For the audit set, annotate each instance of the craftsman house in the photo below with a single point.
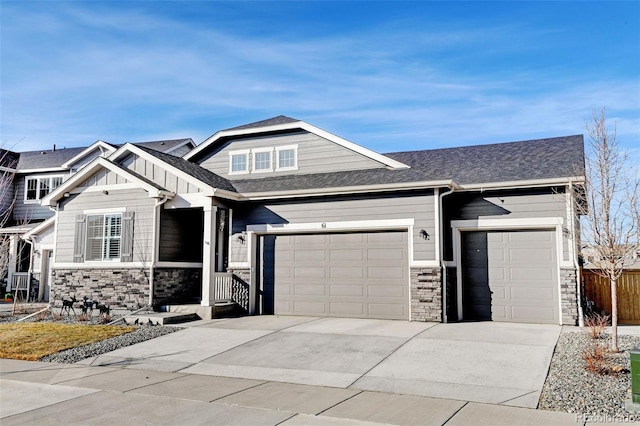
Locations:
(285, 218)
(28, 224)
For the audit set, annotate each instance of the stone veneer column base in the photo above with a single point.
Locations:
(569, 296)
(426, 294)
(122, 288)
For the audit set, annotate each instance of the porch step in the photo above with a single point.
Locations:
(160, 318)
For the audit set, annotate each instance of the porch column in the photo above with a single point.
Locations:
(12, 265)
(208, 253)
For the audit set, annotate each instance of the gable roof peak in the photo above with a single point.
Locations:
(280, 119)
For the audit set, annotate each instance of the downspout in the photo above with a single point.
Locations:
(575, 257)
(441, 248)
(156, 218)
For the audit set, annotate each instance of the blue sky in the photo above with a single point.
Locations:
(390, 76)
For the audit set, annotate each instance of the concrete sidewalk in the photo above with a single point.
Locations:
(44, 393)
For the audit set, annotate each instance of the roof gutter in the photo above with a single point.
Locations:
(345, 190)
(533, 183)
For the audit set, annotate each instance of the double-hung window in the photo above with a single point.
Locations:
(238, 162)
(262, 160)
(36, 188)
(287, 157)
(104, 235)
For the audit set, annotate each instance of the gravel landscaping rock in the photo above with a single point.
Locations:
(570, 388)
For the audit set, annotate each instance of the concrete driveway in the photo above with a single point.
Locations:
(486, 362)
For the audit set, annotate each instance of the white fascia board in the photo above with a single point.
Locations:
(355, 225)
(304, 126)
(131, 148)
(43, 170)
(514, 223)
(41, 227)
(96, 145)
(255, 196)
(92, 167)
(533, 183)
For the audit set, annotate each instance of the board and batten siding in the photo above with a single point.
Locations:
(31, 210)
(417, 207)
(315, 155)
(135, 200)
(507, 205)
(159, 175)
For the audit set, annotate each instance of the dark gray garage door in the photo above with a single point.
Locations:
(510, 276)
(362, 275)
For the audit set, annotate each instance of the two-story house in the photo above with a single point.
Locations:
(28, 225)
(289, 219)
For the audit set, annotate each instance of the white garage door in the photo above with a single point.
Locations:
(510, 276)
(362, 275)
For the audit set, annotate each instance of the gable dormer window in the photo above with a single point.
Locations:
(238, 162)
(262, 160)
(287, 157)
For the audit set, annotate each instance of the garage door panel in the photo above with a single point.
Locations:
(531, 275)
(312, 307)
(361, 275)
(520, 280)
(386, 291)
(308, 272)
(342, 255)
(346, 272)
(308, 290)
(347, 309)
(345, 290)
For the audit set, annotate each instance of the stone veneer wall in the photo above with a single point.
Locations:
(426, 294)
(568, 296)
(177, 285)
(122, 288)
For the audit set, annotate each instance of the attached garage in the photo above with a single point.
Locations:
(510, 276)
(360, 275)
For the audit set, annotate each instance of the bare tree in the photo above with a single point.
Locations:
(8, 162)
(611, 215)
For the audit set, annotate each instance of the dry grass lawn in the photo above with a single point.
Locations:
(32, 341)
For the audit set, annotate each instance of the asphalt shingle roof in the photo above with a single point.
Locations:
(504, 162)
(281, 119)
(192, 169)
(46, 159)
(501, 162)
(162, 146)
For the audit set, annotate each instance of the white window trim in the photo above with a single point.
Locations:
(244, 152)
(256, 151)
(38, 179)
(286, 148)
(102, 213)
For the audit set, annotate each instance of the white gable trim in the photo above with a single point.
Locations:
(94, 166)
(393, 164)
(101, 145)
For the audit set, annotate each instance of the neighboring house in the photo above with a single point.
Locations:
(30, 224)
(292, 220)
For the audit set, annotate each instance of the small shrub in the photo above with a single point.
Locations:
(105, 319)
(41, 316)
(83, 317)
(596, 324)
(595, 358)
(57, 317)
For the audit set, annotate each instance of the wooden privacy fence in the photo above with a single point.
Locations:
(598, 290)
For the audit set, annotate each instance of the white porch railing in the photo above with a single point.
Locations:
(227, 287)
